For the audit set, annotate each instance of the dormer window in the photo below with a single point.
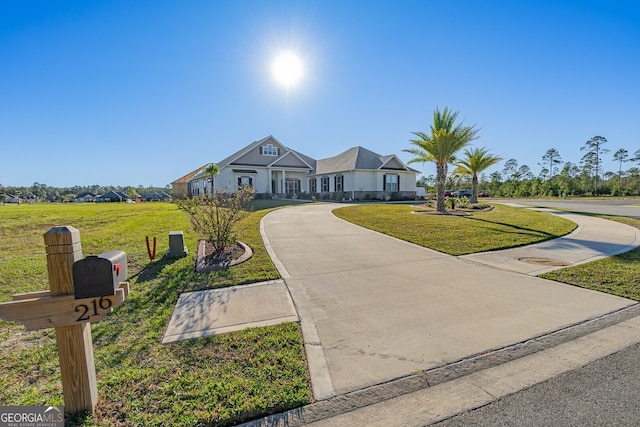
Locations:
(269, 150)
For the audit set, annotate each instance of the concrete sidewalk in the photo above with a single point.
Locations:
(375, 309)
(594, 238)
(216, 311)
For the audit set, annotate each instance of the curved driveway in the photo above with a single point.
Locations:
(374, 308)
(594, 238)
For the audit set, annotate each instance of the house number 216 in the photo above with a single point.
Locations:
(91, 309)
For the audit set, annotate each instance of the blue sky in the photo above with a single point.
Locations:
(143, 92)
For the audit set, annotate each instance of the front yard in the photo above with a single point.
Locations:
(229, 378)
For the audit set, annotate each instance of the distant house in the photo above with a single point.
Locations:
(112, 196)
(269, 167)
(10, 198)
(180, 187)
(85, 197)
(156, 196)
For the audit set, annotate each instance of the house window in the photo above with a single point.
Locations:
(245, 181)
(312, 185)
(337, 183)
(391, 182)
(324, 183)
(292, 185)
(269, 150)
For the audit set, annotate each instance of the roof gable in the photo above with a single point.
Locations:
(188, 176)
(291, 159)
(252, 153)
(392, 162)
(359, 158)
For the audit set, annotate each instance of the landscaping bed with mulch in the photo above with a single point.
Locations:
(207, 260)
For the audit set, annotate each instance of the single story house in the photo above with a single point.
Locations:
(156, 196)
(9, 198)
(85, 196)
(112, 196)
(269, 167)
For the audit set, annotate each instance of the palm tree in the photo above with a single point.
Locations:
(440, 145)
(212, 170)
(476, 160)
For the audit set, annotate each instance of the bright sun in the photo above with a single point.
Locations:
(287, 69)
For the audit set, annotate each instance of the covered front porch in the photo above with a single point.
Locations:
(288, 182)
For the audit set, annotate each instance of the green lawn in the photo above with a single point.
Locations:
(500, 228)
(618, 275)
(208, 381)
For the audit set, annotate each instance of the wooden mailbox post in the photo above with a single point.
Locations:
(58, 308)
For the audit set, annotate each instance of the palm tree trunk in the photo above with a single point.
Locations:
(441, 177)
(474, 189)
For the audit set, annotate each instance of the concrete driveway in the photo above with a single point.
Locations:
(593, 239)
(374, 308)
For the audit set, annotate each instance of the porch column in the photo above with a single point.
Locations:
(284, 180)
(270, 185)
(353, 189)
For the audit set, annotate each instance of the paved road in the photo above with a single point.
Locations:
(603, 393)
(604, 207)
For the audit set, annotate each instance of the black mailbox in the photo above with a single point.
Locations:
(100, 275)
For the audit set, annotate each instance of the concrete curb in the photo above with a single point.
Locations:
(464, 368)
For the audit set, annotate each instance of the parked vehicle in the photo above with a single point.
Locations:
(483, 194)
(448, 193)
(463, 193)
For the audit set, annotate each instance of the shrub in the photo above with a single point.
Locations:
(214, 217)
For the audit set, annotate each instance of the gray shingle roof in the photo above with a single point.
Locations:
(352, 159)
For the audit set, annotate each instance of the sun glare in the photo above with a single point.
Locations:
(287, 69)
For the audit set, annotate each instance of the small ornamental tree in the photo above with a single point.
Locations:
(212, 170)
(214, 217)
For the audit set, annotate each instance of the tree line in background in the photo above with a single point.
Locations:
(556, 178)
(43, 193)
(441, 145)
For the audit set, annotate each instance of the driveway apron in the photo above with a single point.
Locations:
(375, 308)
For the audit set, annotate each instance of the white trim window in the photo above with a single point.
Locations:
(312, 185)
(292, 185)
(324, 184)
(391, 182)
(338, 183)
(245, 181)
(269, 150)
